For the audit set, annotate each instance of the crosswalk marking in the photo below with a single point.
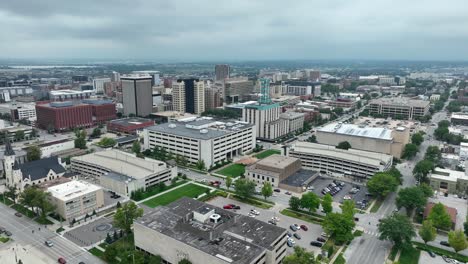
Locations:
(372, 233)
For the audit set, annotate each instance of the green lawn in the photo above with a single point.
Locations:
(96, 252)
(5, 200)
(267, 153)
(25, 211)
(440, 251)
(393, 253)
(4, 239)
(340, 259)
(155, 190)
(376, 206)
(189, 190)
(307, 218)
(254, 202)
(409, 255)
(234, 170)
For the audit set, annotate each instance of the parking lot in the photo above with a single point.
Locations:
(311, 234)
(321, 182)
(92, 232)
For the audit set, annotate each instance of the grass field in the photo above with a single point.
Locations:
(267, 153)
(233, 171)
(304, 217)
(189, 190)
(376, 206)
(96, 252)
(409, 255)
(340, 259)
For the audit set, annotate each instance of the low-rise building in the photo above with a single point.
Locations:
(123, 172)
(459, 118)
(129, 125)
(203, 139)
(295, 120)
(74, 199)
(355, 164)
(404, 108)
(202, 233)
(50, 148)
(449, 181)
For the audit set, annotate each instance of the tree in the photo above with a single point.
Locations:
(184, 261)
(410, 151)
(310, 201)
(80, 140)
(300, 256)
(294, 203)
(96, 133)
(19, 135)
(11, 192)
(154, 259)
(267, 190)
(396, 174)
(343, 145)
(108, 239)
(118, 205)
(439, 217)
(422, 169)
(312, 139)
(33, 153)
(433, 154)
(398, 229)
(426, 190)
(28, 197)
(327, 203)
(339, 226)
(201, 165)
(228, 182)
(381, 184)
(106, 142)
(465, 227)
(427, 232)
(136, 147)
(43, 202)
(457, 240)
(244, 188)
(417, 139)
(411, 198)
(347, 208)
(125, 215)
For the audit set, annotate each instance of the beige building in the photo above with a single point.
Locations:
(399, 107)
(188, 96)
(74, 199)
(375, 139)
(273, 169)
(449, 181)
(205, 234)
(355, 164)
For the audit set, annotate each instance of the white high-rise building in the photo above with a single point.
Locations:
(98, 84)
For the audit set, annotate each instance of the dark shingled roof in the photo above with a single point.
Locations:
(38, 169)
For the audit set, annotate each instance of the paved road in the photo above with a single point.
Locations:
(22, 227)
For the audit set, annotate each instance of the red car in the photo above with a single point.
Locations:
(304, 227)
(228, 206)
(62, 260)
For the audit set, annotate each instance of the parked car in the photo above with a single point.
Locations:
(277, 190)
(2, 230)
(291, 240)
(18, 214)
(316, 244)
(290, 244)
(49, 243)
(324, 234)
(271, 222)
(347, 197)
(431, 254)
(304, 227)
(296, 235)
(8, 233)
(445, 243)
(294, 227)
(321, 239)
(310, 188)
(289, 234)
(227, 206)
(356, 219)
(275, 218)
(62, 260)
(255, 212)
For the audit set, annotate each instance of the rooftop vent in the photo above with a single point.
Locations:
(203, 131)
(172, 125)
(215, 218)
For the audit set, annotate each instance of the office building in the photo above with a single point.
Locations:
(155, 80)
(352, 163)
(459, 119)
(295, 121)
(75, 199)
(449, 181)
(137, 95)
(202, 233)
(62, 116)
(67, 95)
(115, 77)
(79, 78)
(19, 111)
(299, 88)
(314, 76)
(213, 98)
(237, 90)
(221, 72)
(399, 108)
(202, 139)
(123, 172)
(188, 96)
(375, 139)
(98, 84)
(129, 125)
(387, 80)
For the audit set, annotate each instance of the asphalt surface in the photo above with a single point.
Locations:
(22, 230)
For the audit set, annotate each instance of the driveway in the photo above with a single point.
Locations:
(311, 234)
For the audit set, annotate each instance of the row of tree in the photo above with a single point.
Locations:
(32, 197)
(411, 149)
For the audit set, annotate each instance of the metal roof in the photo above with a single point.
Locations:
(358, 131)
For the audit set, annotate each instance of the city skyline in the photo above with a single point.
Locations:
(244, 30)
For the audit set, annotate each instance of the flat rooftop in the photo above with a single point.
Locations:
(123, 163)
(360, 156)
(463, 116)
(235, 239)
(400, 101)
(72, 189)
(131, 121)
(358, 131)
(299, 178)
(69, 92)
(200, 128)
(277, 161)
(448, 175)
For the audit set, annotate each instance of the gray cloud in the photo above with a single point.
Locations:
(234, 30)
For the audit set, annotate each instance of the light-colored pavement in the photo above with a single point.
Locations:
(22, 230)
(425, 258)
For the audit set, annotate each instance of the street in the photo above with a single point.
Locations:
(22, 229)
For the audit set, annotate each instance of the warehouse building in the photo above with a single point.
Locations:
(202, 139)
(354, 164)
(202, 233)
(400, 108)
(123, 172)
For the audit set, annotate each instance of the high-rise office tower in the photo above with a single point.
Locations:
(137, 95)
(98, 84)
(221, 72)
(188, 96)
(212, 98)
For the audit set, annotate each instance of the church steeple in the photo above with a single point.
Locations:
(8, 149)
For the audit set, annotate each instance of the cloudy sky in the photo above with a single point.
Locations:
(203, 30)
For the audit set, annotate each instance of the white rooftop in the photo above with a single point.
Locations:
(448, 175)
(71, 190)
(124, 163)
(358, 131)
(459, 116)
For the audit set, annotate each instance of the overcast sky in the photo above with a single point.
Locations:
(204, 30)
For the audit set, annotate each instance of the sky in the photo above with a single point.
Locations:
(217, 30)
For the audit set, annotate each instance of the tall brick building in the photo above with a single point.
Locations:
(63, 116)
